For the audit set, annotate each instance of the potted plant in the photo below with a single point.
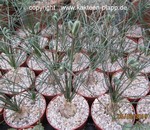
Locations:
(143, 61)
(108, 110)
(68, 108)
(17, 81)
(11, 55)
(133, 87)
(47, 85)
(92, 84)
(142, 110)
(23, 110)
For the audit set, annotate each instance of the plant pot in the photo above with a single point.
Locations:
(74, 122)
(111, 68)
(46, 85)
(19, 57)
(40, 63)
(144, 20)
(143, 60)
(134, 33)
(93, 85)
(64, 43)
(133, 90)
(17, 81)
(80, 62)
(32, 112)
(142, 109)
(28, 40)
(1, 111)
(101, 113)
(3, 14)
(129, 46)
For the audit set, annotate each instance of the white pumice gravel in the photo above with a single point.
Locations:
(63, 44)
(31, 112)
(143, 110)
(38, 41)
(16, 80)
(129, 45)
(81, 61)
(60, 122)
(135, 89)
(46, 84)
(93, 84)
(108, 66)
(40, 63)
(19, 57)
(135, 31)
(101, 109)
(14, 41)
(143, 60)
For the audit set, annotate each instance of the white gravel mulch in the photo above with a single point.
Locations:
(101, 109)
(143, 60)
(40, 63)
(143, 108)
(81, 61)
(135, 89)
(16, 80)
(135, 31)
(58, 121)
(19, 57)
(108, 66)
(31, 112)
(46, 84)
(93, 84)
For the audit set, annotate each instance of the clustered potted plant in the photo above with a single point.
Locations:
(69, 65)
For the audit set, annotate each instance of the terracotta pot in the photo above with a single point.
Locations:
(104, 111)
(142, 115)
(68, 121)
(134, 88)
(3, 14)
(89, 93)
(1, 115)
(16, 81)
(43, 86)
(145, 19)
(29, 124)
(20, 60)
(37, 70)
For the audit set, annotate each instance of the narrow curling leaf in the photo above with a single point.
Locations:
(70, 25)
(55, 17)
(37, 27)
(76, 27)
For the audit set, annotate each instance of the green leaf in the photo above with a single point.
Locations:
(127, 127)
(70, 25)
(116, 81)
(76, 27)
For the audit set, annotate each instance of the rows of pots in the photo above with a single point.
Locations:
(27, 81)
(17, 83)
